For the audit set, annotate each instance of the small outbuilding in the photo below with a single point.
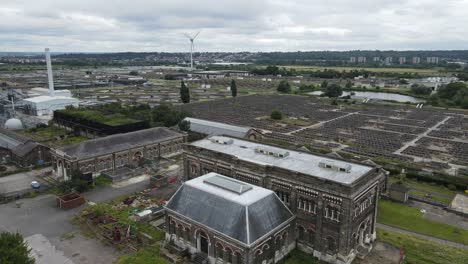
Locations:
(398, 192)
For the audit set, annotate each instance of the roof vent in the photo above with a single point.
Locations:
(271, 152)
(336, 167)
(223, 141)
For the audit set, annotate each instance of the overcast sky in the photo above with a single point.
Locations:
(237, 25)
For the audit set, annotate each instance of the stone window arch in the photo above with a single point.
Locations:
(331, 244)
(229, 254)
(300, 233)
(311, 234)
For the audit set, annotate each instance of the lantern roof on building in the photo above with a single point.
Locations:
(238, 210)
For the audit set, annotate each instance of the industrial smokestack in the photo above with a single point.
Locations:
(49, 73)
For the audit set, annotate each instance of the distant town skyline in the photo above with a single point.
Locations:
(263, 25)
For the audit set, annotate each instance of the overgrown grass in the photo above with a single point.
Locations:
(146, 255)
(101, 181)
(419, 251)
(52, 135)
(404, 217)
(434, 197)
(299, 257)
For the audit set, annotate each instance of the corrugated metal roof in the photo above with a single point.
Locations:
(216, 128)
(245, 217)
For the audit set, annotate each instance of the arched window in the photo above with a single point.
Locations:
(331, 244)
(229, 254)
(311, 233)
(300, 233)
(219, 250)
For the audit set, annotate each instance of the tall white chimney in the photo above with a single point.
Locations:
(49, 73)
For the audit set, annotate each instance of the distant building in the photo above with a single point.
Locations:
(402, 60)
(362, 59)
(376, 59)
(222, 220)
(416, 60)
(432, 60)
(46, 105)
(388, 60)
(334, 200)
(111, 153)
(352, 59)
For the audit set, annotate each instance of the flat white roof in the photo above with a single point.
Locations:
(46, 98)
(296, 161)
(253, 194)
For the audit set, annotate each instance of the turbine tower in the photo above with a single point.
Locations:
(191, 47)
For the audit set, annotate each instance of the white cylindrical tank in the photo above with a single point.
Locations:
(13, 124)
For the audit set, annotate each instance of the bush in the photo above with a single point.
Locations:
(13, 249)
(276, 115)
(284, 87)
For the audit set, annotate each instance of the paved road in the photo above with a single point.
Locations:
(20, 182)
(433, 239)
(40, 215)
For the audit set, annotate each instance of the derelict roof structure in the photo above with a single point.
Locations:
(236, 209)
(216, 128)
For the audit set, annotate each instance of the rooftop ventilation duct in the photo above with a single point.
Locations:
(336, 167)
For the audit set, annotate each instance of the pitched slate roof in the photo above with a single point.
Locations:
(10, 139)
(244, 216)
(23, 149)
(118, 142)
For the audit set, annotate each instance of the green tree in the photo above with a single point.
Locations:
(184, 125)
(184, 93)
(450, 90)
(233, 88)
(420, 89)
(349, 84)
(324, 84)
(276, 115)
(284, 87)
(333, 90)
(13, 249)
(163, 115)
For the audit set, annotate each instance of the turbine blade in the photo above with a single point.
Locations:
(187, 35)
(196, 35)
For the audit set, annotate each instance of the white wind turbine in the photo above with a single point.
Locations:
(191, 47)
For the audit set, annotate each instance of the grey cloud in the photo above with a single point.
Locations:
(240, 25)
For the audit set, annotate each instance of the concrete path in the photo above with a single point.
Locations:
(430, 238)
(319, 124)
(43, 251)
(413, 142)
